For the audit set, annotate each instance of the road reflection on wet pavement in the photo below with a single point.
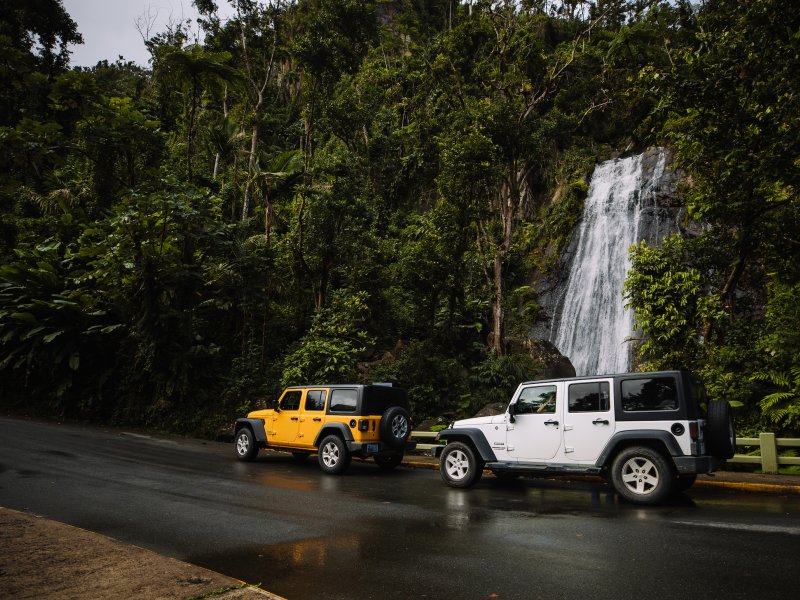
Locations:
(370, 534)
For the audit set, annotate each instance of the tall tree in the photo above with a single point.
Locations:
(505, 67)
(195, 71)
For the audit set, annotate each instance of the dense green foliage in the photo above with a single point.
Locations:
(725, 302)
(368, 190)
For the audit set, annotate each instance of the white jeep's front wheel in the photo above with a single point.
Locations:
(460, 466)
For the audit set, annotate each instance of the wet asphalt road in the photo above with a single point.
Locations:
(368, 534)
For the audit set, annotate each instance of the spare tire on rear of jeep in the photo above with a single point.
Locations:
(721, 437)
(395, 426)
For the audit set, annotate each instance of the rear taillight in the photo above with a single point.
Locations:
(694, 430)
(363, 425)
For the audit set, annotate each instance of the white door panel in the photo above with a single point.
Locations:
(536, 433)
(588, 419)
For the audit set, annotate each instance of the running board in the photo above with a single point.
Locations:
(546, 469)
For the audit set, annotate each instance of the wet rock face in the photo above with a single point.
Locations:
(490, 410)
(581, 303)
(554, 364)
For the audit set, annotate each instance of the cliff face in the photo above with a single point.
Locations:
(581, 303)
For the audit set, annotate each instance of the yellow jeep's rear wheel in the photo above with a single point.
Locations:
(333, 455)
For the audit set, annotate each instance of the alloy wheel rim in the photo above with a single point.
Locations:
(640, 475)
(399, 427)
(330, 455)
(457, 465)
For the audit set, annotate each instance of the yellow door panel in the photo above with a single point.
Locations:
(312, 416)
(286, 420)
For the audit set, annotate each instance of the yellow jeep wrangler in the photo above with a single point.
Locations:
(336, 422)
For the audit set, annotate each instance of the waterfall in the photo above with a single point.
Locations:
(620, 210)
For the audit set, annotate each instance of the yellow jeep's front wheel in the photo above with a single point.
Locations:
(246, 447)
(333, 455)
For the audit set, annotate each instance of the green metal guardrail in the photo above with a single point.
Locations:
(768, 459)
(425, 435)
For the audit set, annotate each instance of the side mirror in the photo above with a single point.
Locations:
(512, 410)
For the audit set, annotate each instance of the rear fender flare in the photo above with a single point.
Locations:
(330, 428)
(627, 438)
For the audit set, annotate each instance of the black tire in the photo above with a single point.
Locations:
(245, 444)
(395, 427)
(641, 475)
(681, 483)
(460, 466)
(387, 462)
(720, 434)
(300, 456)
(334, 457)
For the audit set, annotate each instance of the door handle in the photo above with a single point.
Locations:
(551, 422)
(317, 419)
(293, 418)
(600, 422)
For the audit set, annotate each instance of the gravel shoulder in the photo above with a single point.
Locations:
(40, 558)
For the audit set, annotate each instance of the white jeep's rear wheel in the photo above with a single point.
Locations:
(641, 475)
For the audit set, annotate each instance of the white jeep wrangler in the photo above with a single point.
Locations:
(648, 433)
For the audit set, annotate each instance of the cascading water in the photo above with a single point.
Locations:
(594, 325)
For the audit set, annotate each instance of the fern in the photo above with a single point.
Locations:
(783, 406)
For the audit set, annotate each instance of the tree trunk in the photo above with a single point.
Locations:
(729, 288)
(321, 297)
(497, 338)
(251, 164)
(507, 208)
(190, 132)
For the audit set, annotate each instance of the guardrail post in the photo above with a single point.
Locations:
(769, 453)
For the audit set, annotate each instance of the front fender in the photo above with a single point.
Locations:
(255, 425)
(474, 436)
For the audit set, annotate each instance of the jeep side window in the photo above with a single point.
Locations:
(291, 400)
(589, 397)
(541, 399)
(344, 400)
(647, 394)
(696, 394)
(315, 399)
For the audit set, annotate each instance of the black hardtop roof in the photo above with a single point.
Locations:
(611, 376)
(343, 385)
